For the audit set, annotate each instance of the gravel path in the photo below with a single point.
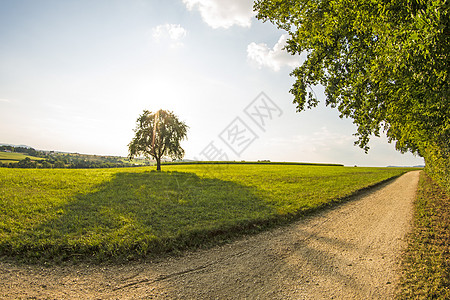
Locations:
(349, 252)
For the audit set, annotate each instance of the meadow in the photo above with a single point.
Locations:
(7, 157)
(126, 213)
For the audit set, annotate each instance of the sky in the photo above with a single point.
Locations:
(75, 76)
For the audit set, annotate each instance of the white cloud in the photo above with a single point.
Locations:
(5, 100)
(219, 13)
(274, 58)
(174, 33)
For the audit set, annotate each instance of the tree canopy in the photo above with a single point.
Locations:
(158, 135)
(383, 63)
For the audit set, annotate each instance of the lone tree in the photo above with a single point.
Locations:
(385, 64)
(157, 135)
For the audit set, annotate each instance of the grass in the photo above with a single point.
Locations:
(134, 212)
(427, 259)
(7, 157)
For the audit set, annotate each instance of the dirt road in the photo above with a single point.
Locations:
(349, 252)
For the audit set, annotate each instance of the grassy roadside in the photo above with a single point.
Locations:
(132, 212)
(426, 264)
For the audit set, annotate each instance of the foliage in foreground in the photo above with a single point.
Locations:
(132, 212)
(427, 260)
(385, 64)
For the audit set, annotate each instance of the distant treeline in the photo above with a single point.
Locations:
(259, 162)
(50, 159)
(27, 163)
(47, 160)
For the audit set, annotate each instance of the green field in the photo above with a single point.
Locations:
(8, 157)
(135, 212)
(426, 261)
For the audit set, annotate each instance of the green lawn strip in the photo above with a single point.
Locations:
(135, 212)
(292, 189)
(426, 273)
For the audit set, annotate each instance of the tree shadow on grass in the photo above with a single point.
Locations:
(146, 214)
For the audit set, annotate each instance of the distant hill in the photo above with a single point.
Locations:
(23, 156)
(16, 146)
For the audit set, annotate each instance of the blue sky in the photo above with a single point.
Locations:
(75, 75)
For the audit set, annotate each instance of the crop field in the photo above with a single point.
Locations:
(136, 212)
(7, 157)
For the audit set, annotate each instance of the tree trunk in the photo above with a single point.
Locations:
(158, 164)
